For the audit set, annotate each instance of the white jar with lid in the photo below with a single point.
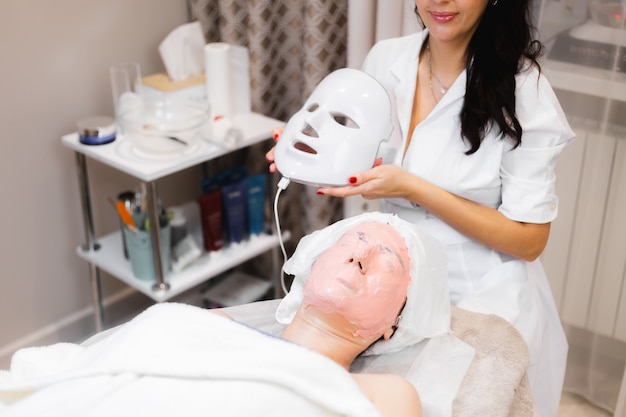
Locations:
(96, 130)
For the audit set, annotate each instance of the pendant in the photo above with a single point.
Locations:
(442, 90)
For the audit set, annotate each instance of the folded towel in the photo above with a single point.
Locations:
(496, 383)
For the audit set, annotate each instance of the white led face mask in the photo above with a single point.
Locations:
(337, 132)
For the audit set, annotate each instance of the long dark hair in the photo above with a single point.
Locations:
(502, 45)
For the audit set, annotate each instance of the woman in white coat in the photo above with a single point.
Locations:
(477, 130)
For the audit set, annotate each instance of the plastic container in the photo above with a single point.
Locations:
(139, 246)
(97, 130)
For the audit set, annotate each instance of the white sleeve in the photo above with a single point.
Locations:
(528, 172)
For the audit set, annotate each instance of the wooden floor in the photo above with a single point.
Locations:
(574, 406)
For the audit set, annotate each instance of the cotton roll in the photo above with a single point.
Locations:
(217, 67)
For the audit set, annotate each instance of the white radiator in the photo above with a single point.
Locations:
(585, 259)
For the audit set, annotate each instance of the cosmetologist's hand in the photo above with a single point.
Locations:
(382, 181)
(269, 156)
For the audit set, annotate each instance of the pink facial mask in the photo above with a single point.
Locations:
(364, 277)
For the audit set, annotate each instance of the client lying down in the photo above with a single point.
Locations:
(353, 297)
(175, 359)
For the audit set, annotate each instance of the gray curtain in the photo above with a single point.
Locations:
(293, 45)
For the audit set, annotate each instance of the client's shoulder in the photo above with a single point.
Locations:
(392, 394)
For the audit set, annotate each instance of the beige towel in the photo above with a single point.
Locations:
(496, 384)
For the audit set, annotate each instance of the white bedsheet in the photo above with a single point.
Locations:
(178, 360)
(479, 369)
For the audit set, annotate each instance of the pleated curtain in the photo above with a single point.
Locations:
(293, 45)
(370, 21)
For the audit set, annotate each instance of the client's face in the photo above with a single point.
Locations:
(364, 277)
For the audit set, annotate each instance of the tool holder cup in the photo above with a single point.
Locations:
(139, 247)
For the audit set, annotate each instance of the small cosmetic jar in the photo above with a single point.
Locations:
(96, 130)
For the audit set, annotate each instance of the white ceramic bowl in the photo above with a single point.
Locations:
(159, 125)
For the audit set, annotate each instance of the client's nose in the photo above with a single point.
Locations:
(359, 262)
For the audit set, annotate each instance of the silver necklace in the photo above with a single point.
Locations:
(442, 88)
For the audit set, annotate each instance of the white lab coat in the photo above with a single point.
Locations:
(518, 182)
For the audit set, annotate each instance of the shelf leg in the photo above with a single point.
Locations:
(85, 200)
(96, 294)
(90, 239)
(155, 236)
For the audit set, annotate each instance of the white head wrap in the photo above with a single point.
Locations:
(427, 310)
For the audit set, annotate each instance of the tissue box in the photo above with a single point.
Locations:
(161, 85)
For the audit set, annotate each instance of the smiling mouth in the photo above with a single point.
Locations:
(442, 17)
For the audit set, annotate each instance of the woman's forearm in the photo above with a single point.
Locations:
(480, 223)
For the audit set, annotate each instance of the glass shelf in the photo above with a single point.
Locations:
(121, 155)
(110, 258)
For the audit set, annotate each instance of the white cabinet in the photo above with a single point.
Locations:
(585, 259)
(584, 56)
(106, 252)
(586, 255)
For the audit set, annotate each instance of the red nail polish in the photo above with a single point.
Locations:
(352, 180)
(320, 193)
(276, 133)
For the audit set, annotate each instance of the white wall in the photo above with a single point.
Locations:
(54, 71)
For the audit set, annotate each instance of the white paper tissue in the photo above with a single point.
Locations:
(182, 51)
(227, 79)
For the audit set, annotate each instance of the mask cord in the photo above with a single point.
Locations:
(282, 185)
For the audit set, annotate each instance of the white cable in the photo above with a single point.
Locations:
(282, 185)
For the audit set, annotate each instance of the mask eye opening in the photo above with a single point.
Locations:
(312, 107)
(345, 121)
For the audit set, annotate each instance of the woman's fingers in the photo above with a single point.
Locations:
(378, 182)
(277, 132)
(354, 188)
(269, 156)
(338, 191)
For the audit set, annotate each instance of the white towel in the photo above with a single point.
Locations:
(175, 359)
